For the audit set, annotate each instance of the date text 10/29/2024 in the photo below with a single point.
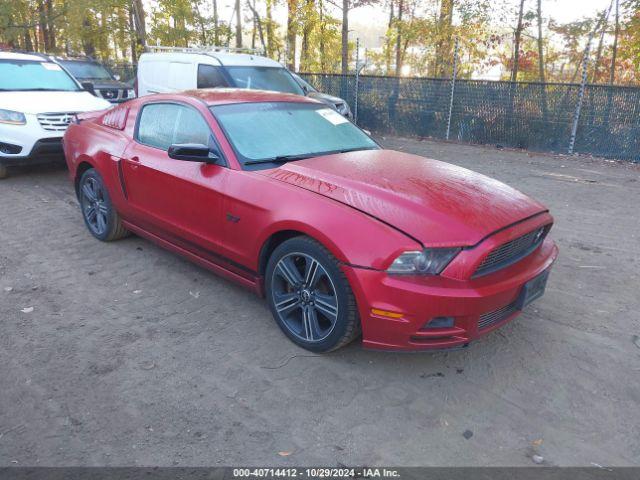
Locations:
(292, 472)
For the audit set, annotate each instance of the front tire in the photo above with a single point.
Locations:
(100, 216)
(310, 297)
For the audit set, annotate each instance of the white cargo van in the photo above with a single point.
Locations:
(172, 69)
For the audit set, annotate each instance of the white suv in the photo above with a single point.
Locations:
(38, 100)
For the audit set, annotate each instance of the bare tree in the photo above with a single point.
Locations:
(346, 6)
(541, 70)
(388, 40)
(444, 41)
(399, 38)
(216, 35)
(307, 29)
(345, 36)
(238, 24)
(292, 32)
(270, 36)
(516, 46)
(614, 53)
(257, 25)
(139, 26)
(603, 23)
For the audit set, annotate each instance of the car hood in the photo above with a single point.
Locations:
(104, 83)
(324, 97)
(436, 203)
(51, 102)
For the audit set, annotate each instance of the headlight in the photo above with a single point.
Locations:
(431, 261)
(12, 118)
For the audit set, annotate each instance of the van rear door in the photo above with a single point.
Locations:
(158, 75)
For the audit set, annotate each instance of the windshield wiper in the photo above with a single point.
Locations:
(281, 159)
(291, 158)
(356, 149)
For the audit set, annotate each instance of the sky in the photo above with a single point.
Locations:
(568, 10)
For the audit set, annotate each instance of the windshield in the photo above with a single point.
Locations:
(264, 78)
(276, 132)
(303, 83)
(20, 75)
(86, 70)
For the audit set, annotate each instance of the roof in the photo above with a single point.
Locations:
(221, 96)
(77, 59)
(243, 59)
(222, 58)
(23, 56)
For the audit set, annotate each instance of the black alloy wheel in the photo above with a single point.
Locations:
(310, 297)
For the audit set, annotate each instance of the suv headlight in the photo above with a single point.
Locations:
(430, 261)
(12, 118)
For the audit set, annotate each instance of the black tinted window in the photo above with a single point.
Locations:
(162, 124)
(210, 76)
(277, 79)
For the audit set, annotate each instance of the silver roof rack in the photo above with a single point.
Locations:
(203, 50)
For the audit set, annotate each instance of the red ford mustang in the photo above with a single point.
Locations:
(284, 196)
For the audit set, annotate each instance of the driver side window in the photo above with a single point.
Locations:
(191, 127)
(163, 124)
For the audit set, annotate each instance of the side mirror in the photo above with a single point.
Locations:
(305, 89)
(117, 77)
(88, 86)
(192, 152)
(368, 132)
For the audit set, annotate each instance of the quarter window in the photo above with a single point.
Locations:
(210, 76)
(163, 124)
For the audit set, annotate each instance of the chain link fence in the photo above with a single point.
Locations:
(532, 116)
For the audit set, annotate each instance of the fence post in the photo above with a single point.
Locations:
(453, 85)
(583, 84)
(355, 101)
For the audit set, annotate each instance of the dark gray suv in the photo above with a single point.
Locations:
(97, 79)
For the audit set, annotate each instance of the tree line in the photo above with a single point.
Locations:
(516, 38)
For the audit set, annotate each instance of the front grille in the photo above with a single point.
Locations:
(109, 93)
(55, 122)
(486, 320)
(512, 252)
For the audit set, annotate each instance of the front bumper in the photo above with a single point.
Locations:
(46, 150)
(477, 305)
(29, 144)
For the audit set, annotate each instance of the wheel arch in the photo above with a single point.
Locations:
(281, 234)
(84, 164)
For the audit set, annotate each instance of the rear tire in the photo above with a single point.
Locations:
(310, 297)
(100, 216)
(4, 172)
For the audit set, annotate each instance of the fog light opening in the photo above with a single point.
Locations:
(10, 149)
(440, 322)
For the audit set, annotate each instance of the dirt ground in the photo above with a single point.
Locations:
(125, 354)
